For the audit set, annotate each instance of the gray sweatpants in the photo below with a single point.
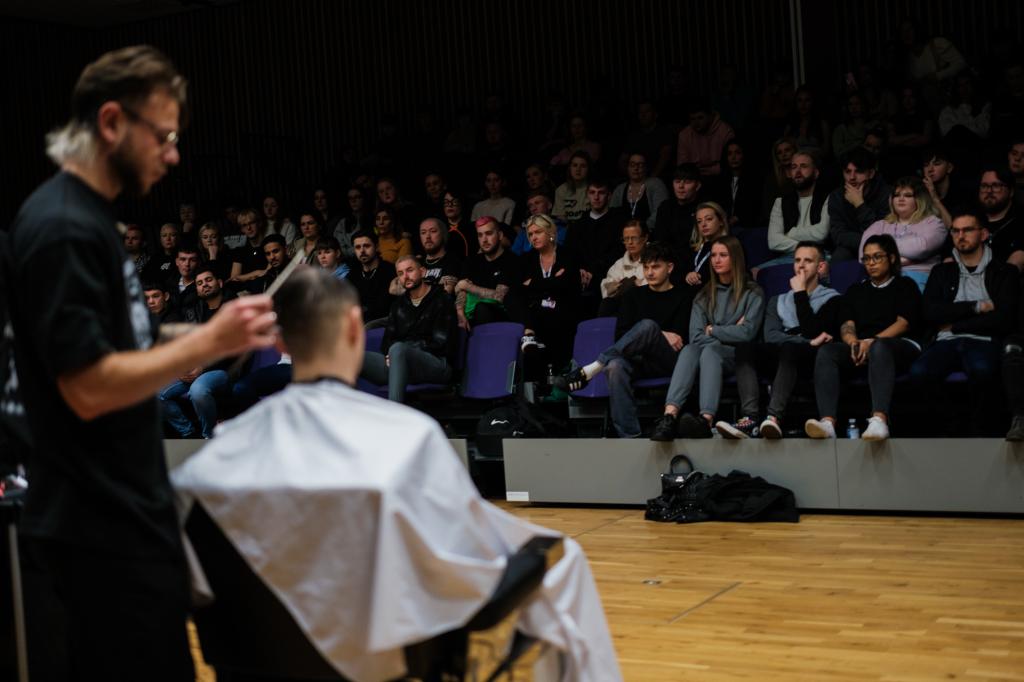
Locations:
(712, 361)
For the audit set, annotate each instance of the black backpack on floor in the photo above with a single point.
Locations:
(515, 419)
(689, 496)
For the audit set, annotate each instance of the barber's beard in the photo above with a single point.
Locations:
(124, 165)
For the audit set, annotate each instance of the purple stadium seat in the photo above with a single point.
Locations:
(592, 337)
(654, 382)
(374, 337)
(266, 357)
(845, 273)
(755, 246)
(492, 348)
(775, 279)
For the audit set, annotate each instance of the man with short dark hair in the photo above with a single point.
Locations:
(158, 301)
(100, 514)
(972, 302)
(182, 284)
(677, 216)
(995, 194)
(135, 246)
(796, 324)
(201, 385)
(419, 340)
(852, 208)
(275, 250)
(651, 329)
(595, 239)
(939, 178)
(489, 290)
(372, 278)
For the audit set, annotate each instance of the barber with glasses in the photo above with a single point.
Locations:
(99, 516)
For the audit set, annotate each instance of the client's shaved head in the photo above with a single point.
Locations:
(310, 308)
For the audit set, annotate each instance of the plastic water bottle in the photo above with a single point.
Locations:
(852, 431)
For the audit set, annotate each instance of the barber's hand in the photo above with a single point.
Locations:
(693, 278)
(241, 325)
(821, 339)
(674, 340)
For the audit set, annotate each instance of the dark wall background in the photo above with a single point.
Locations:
(279, 88)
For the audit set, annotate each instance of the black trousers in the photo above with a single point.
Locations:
(123, 618)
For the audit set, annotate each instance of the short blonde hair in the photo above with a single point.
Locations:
(545, 222)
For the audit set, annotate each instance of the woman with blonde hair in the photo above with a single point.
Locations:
(214, 254)
(914, 223)
(710, 223)
(726, 316)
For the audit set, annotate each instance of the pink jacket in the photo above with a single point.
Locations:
(919, 243)
(704, 150)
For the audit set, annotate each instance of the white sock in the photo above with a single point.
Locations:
(592, 370)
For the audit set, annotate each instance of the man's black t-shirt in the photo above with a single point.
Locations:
(506, 269)
(76, 297)
(670, 309)
(448, 265)
(373, 289)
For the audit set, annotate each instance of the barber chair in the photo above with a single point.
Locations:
(247, 635)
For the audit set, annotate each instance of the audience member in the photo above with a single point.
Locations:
(392, 244)
(329, 218)
(1015, 163)
(182, 284)
(807, 127)
(158, 302)
(881, 319)
(939, 179)
(538, 202)
(849, 134)
(251, 258)
(443, 268)
(709, 225)
(860, 202)
(275, 222)
(650, 329)
(702, 141)
(214, 254)
(801, 213)
(159, 265)
(654, 141)
(739, 187)
(577, 141)
(677, 219)
(571, 196)
(626, 272)
(995, 194)
(910, 131)
(778, 182)
(726, 314)
(419, 336)
(372, 278)
(276, 253)
(134, 241)
(459, 226)
(488, 291)
(201, 385)
(434, 186)
(914, 225)
(796, 324)
(551, 288)
(967, 116)
(495, 202)
(388, 197)
(356, 218)
(972, 302)
(930, 62)
(642, 194)
(329, 258)
(312, 229)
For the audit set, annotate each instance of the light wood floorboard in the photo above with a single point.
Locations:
(833, 598)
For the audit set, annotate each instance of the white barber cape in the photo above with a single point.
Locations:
(359, 516)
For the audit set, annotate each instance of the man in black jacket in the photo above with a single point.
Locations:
(677, 216)
(863, 199)
(651, 329)
(419, 338)
(973, 303)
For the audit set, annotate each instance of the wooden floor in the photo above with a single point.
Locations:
(831, 598)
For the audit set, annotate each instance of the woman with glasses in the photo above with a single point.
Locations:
(726, 315)
(914, 223)
(709, 224)
(879, 335)
(461, 232)
(640, 195)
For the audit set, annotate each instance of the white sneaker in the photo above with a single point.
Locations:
(877, 429)
(770, 429)
(819, 428)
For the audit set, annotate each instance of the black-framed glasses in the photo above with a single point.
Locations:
(992, 187)
(165, 138)
(957, 231)
(873, 258)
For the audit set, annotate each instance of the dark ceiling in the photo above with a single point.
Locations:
(99, 13)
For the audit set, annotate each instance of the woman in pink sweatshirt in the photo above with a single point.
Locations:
(916, 226)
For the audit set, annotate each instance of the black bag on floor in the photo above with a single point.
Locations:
(515, 419)
(689, 496)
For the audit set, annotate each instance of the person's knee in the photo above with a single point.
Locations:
(617, 368)
(880, 350)
(647, 327)
(397, 349)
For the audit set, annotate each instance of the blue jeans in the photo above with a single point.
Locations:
(202, 394)
(642, 352)
(976, 358)
(409, 365)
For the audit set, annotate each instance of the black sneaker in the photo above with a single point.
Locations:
(1016, 432)
(691, 426)
(572, 381)
(744, 428)
(665, 428)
